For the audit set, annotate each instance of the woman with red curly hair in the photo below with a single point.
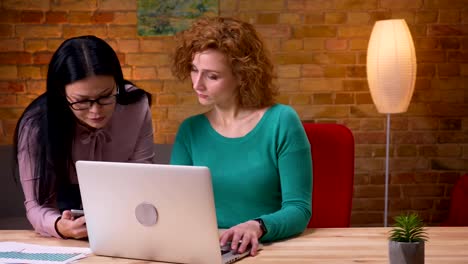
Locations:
(257, 150)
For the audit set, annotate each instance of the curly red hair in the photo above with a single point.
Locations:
(244, 50)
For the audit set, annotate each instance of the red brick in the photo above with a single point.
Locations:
(25, 5)
(430, 56)
(56, 17)
(447, 30)
(292, 45)
(450, 43)
(334, 71)
(457, 56)
(42, 57)
(452, 96)
(425, 43)
(341, 58)
(370, 124)
(147, 59)
(423, 190)
(103, 17)
(401, 4)
(449, 16)
(8, 72)
(7, 87)
(89, 5)
(97, 30)
(7, 100)
(379, 15)
(452, 4)
(356, 71)
(294, 58)
(144, 73)
(274, 31)
(34, 45)
(267, 18)
(363, 98)
(451, 137)
(80, 17)
(336, 44)
(314, 31)
(38, 31)
(314, 17)
(452, 164)
(450, 124)
(355, 85)
(365, 219)
(15, 58)
(413, 138)
(6, 30)
(369, 137)
(399, 204)
(301, 5)
(448, 177)
(289, 71)
(425, 70)
(427, 151)
(424, 123)
(156, 45)
(32, 17)
(25, 99)
(36, 87)
(354, 31)
(426, 17)
(335, 17)
(360, 204)
(117, 5)
(364, 111)
(311, 70)
(448, 109)
(344, 98)
(356, 4)
(10, 16)
(322, 98)
(372, 191)
(29, 72)
(13, 44)
(125, 18)
(449, 150)
(121, 31)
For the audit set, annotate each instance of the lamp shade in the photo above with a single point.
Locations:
(391, 66)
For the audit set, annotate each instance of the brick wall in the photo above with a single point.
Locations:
(319, 47)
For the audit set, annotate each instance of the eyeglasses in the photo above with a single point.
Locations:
(87, 104)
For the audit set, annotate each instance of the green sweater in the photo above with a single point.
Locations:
(265, 174)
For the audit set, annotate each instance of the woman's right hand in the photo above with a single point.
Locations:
(69, 227)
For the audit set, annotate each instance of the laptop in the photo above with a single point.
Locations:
(151, 212)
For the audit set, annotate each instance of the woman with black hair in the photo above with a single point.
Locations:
(88, 112)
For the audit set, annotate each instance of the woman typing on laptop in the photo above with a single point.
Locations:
(257, 151)
(88, 112)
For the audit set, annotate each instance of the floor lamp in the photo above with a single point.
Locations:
(391, 74)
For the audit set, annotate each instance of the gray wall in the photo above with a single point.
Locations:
(12, 212)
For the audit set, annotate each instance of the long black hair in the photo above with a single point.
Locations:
(47, 126)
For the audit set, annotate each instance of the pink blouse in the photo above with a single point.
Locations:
(128, 137)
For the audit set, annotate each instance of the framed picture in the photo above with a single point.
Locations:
(167, 17)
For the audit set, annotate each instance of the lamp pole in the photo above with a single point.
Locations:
(387, 151)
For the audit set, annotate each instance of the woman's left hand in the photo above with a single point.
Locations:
(243, 235)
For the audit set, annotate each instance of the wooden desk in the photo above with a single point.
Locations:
(328, 245)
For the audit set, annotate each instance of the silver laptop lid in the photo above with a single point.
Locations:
(149, 211)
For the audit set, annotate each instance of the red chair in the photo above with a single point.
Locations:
(333, 174)
(458, 211)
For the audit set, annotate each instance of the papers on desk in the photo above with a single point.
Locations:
(14, 252)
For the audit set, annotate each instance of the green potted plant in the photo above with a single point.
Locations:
(406, 245)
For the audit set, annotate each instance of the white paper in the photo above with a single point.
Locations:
(14, 252)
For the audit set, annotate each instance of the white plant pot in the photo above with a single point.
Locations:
(406, 252)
